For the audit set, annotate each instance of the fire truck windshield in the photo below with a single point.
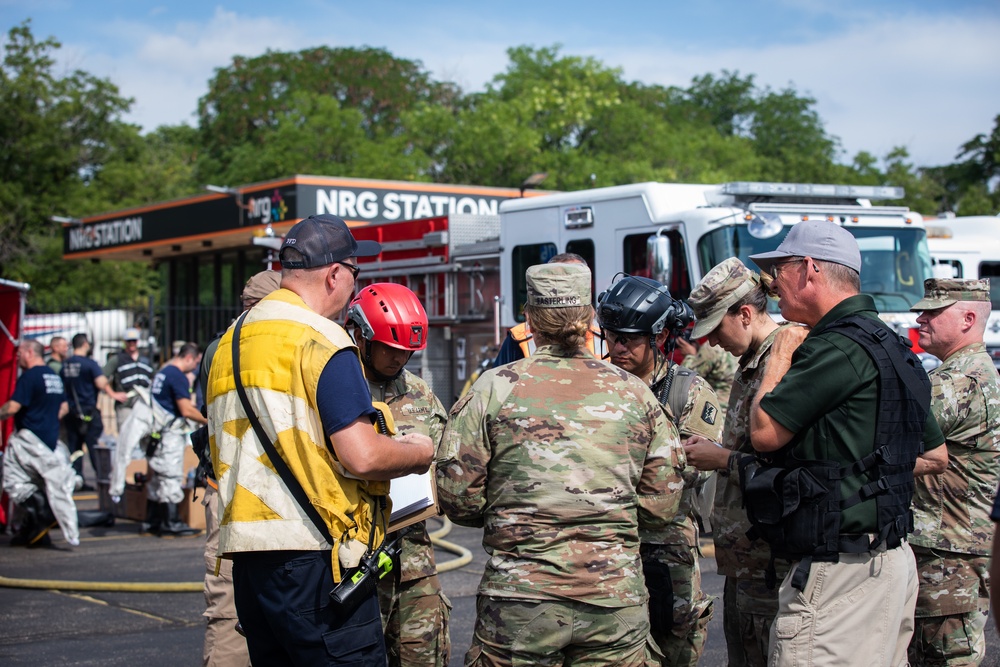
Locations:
(894, 260)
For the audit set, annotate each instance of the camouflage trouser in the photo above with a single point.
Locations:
(680, 636)
(953, 604)
(546, 633)
(748, 611)
(415, 620)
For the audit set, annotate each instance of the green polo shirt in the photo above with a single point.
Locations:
(829, 398)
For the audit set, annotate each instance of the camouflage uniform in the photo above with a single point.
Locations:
(415, 611)
(562, 480)
(952, 527)
(749, 607)
(673, 551)
(718, 367)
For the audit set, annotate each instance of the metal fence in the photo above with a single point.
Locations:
(162, 327)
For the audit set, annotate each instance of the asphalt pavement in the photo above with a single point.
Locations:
(51, 624)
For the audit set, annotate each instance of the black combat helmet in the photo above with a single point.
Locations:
(641, 305)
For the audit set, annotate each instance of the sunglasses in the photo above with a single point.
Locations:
(353, 268)
(627, 339)
(773, 271)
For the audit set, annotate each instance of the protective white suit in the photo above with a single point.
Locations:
(165, 459)
(30, 466)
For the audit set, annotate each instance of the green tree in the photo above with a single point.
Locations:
(315, 135)
(56, 135)
(253, 96)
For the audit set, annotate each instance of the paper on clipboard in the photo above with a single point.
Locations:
(414, 498)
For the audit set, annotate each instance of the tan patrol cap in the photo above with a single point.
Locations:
(724, 285)
(942, 292)
(558, 285)
(261, 284)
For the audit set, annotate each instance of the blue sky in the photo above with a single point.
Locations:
(918, 74)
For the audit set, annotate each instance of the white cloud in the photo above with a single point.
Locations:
(926, 82)
(929, 85)
(166, 68)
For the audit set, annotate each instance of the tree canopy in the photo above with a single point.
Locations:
(365, 112)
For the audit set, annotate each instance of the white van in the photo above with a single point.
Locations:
(969, 247)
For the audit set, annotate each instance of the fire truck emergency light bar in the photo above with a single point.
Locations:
(812, 190)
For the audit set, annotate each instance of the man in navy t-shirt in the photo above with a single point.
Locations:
(37, 474)
(165, 487)
(83, 378)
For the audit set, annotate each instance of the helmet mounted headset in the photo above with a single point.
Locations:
(390, 314)
(635, 304)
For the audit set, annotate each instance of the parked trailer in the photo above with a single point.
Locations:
(469, 270)
(969, 247)
(104, 329)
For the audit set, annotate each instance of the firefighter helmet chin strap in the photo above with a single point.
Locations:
(370, 370)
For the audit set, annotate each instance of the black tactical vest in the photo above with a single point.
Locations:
(797, 506)
(133, 374)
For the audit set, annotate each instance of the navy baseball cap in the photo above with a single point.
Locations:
(322, 240)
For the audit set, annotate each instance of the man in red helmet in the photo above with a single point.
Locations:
(390, 325)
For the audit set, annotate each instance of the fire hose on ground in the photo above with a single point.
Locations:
(463, 559)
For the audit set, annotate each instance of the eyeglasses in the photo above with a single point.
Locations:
(629, 340)
(353, 268)
(774, 267)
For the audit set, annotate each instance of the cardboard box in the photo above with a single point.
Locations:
(133, 502)
(133, 506)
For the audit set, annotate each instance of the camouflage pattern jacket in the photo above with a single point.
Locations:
(718, 367)
(415, 409)
(700, 416)
(951, 511)
(735, 554)
(562, 459)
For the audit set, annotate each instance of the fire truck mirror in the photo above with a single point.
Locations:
(658, 257)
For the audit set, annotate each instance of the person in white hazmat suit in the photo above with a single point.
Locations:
(37, 474)
(159, 424)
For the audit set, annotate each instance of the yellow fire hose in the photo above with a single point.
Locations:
(464, 557)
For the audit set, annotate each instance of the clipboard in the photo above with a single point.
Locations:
(414, 499)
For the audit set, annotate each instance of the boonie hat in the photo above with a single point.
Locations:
(131, 334)
(724, 285)
(323, 240)
(260, 285)
(558, 285)
(820, 239)
(942, 292)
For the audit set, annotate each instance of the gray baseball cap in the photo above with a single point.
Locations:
(820, 239)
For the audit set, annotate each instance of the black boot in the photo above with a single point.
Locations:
(171, 525)
(151, 525)
(38, 521)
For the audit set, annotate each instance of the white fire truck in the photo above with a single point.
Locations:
(969, 247)
(469, 270)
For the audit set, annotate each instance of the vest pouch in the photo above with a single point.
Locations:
(786, 507)
(806, 513)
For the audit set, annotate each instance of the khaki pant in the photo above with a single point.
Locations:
(224, 647)
(856, 612)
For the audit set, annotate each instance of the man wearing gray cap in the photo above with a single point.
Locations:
(951, 510)
(730, 303)
(843, 414)
(562, 458)
(302, 473)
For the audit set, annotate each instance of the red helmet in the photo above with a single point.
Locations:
(390, 313)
